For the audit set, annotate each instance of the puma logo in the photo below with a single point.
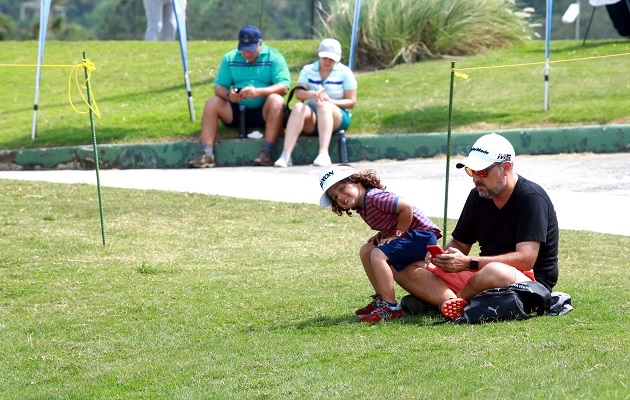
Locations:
(496, 313)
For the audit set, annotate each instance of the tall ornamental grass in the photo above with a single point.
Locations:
(406, 31)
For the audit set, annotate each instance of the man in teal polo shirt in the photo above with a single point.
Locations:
(255, 76)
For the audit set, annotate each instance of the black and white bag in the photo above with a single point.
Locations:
(516, 301)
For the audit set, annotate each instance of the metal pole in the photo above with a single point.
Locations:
(355, 27)
(547, 51)
(577, 20)
(588, 27)
(312, 35)
(180, 17)
(448, 152)
(44, 10)
(98, 179)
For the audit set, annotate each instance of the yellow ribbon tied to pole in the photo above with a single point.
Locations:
(89, 67)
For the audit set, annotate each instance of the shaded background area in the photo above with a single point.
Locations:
(219, 20)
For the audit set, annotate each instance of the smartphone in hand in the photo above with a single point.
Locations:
(434, 249)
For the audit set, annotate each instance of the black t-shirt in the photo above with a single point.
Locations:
(528, 216)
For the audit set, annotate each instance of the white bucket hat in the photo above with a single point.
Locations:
(330, 176)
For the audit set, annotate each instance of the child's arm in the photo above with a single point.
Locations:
(404, 209)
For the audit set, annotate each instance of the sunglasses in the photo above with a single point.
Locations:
(481, 173)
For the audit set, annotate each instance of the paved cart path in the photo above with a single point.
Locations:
(590, 191)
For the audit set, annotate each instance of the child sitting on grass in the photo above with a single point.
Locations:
(403, 232)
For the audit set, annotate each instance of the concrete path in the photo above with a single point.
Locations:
(590, 191)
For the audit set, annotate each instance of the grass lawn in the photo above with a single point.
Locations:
(199, 296)
(139, 89)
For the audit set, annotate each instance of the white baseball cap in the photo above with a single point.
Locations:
(330, 176)
(330, 48)
(486, 151)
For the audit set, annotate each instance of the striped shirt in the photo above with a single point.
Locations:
(269, 68)
(379, 212)
(340, 78)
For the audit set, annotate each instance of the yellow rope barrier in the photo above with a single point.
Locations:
(35, 65)
(464, 76)
(88, 65)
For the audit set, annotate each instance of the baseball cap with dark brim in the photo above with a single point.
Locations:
(487, 150)
(329, 177)
(248, 38)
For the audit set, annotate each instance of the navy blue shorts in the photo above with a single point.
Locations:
(408, 249)
(253, 117)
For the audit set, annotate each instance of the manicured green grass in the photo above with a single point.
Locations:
(139, 89)
(200, 296)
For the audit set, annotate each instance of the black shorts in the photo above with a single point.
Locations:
(253, 117)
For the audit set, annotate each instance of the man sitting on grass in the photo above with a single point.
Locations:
(511, 218)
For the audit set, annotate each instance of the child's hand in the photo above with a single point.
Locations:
(375, 239)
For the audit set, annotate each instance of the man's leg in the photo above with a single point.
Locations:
(493, 275)
(423, 284)
(274, 116)
(215, 108)
(432, 288)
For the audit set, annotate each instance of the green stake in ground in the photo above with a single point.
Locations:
(98, 179)
(448, 153)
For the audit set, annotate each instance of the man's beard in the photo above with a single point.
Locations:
(491, 194)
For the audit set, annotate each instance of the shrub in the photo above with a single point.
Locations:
(8, 28)
(406, 31)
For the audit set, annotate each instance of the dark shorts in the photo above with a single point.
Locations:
(254, 117)
(408, 249)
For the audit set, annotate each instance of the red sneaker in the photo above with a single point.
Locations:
(384, 312)
(453, 308)
(370, 308)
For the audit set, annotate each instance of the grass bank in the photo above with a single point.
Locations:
(139, 89)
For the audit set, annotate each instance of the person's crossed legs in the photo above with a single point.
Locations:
(452, 291)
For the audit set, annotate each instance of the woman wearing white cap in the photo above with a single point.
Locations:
(327, 89)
